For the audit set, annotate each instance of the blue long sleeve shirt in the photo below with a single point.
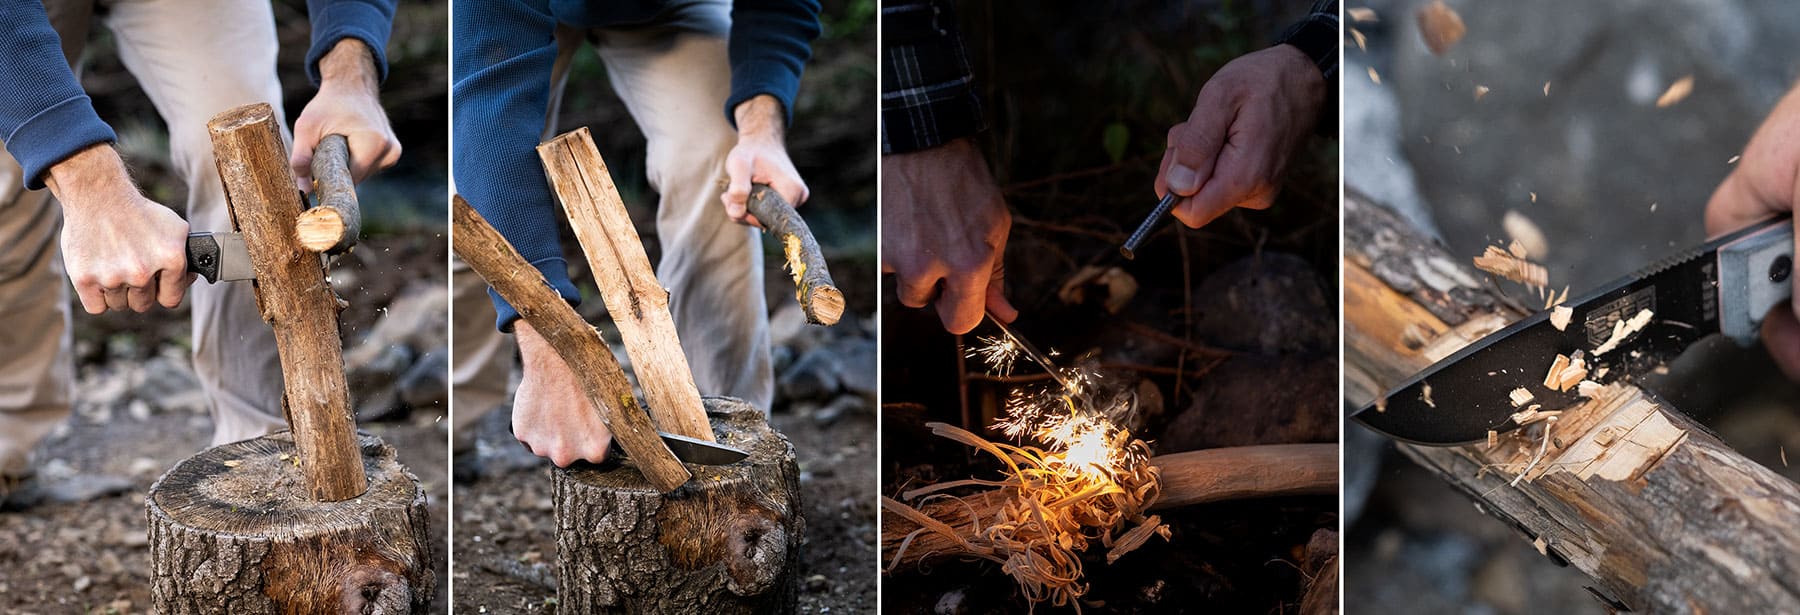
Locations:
(501, 68)
(45, 116)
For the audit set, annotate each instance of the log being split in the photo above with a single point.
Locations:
(819, 297)
(577, 342)
(635, 299)
(293, 296)
(233, 530)
(333, 224)
(727, 542)
(1661, 514)
(1194, 477)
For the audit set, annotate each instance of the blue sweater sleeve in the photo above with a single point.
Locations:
(501, 70)
(771, 40)
(370, 21)
(44, 114)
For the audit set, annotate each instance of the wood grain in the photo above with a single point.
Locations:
(819, 297)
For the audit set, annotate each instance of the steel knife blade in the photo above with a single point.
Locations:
(688, 450)
(219, 257)
(1723, 286)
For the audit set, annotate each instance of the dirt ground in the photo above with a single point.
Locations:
(138, 410)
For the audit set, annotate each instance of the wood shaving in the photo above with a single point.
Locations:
(1783, 451)
(1544, 447)
(1480, 91)
(1441, 27)
(1517, 249)
(1520, 396)
(1559, 317)
(1733, 160)
(1521, 229)
(1676, 92)
(1374, 76)
(1542, 547)
(1624, 329)
(1546, 88)
(1425, 395)
(1362, 14)
(1362, 42)
(1498, 262)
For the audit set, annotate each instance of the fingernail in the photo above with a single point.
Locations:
(1182, 179)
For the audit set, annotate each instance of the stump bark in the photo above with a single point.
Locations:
(233, 529)
(727, 541)
(1661, 514)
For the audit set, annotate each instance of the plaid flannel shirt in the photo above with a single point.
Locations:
(928, 94)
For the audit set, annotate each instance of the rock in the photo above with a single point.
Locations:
(839, 408)
(857, 366)
(1235, 405)
(816, 375)
(138, 409)
(953, 602)
(1269, 304)
(83, 583)
(426, 384)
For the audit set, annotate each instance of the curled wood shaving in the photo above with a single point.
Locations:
(1052, 511)
(1498, 262)
(1441, 27)
(1624, 329)
(1676, 92)
(1543, 447)
(1559, 317)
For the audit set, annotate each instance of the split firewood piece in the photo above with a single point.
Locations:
(294, 298)
(636, 300)
(1623, 329)
(577, 342)
(332, 225)
(1499, 262)
(1440, 26)
(819, 297)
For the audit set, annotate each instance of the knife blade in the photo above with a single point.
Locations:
(219, 257)
(688, 450)
(1724, 286)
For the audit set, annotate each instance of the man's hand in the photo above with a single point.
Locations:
(550, 414)
(944, 228)
(122, 251)
(348, 103)
(1234, 148)
(1764, 185)
(760, 157)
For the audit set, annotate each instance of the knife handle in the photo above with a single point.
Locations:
(203, 256)
(1755, 274)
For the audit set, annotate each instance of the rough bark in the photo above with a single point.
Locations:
(726, 542)
(819, 297)
(636, 300)
(1661, 514)
(233, 530)
(1194, 477)
(293, 295)
(1321, 569)
(577, 342)
(333, 224)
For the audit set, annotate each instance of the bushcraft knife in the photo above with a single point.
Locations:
(688, 450)
(219, 257)
(1724, 286)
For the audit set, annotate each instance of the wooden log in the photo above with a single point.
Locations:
(293, 295)
(819, 297)
(333, 224)
(1189, 478)
(233, 529)
(1662, 515)
(635, 299)
(577, 342)
(727, 542)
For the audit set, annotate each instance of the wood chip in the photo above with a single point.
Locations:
(1546, 88)
(1623, 329)
(1543, 548)
(1480, 91)
(1521, 229)
(1551, 380)
(1588, 389)
(1733, 160)
(1425, 395)
(1520, 396)
(1566, 372)
(1374, 76)
(1362, 14)
(1362, 42)
(1676, 92)
(1498, 262)
(1559, 317)
(1783, 451)
(1440, 26)
(1493, 439)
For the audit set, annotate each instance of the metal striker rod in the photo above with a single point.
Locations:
(1129, 250)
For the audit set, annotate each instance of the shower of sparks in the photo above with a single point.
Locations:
(999, 353)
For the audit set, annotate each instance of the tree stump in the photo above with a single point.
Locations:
(233, 529)
(727, 541)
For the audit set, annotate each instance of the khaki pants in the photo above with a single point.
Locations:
(192, 69)
(674, 81)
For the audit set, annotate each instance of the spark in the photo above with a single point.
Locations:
(999, 353)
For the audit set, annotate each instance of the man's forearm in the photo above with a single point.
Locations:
(349, 64)
(92, 170)
(761, 117)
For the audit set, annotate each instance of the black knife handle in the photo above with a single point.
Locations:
(203, 256)
(1756, 273)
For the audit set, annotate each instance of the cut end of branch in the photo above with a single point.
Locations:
(824, 305)
(319, 229)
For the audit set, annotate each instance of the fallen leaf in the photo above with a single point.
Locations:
(1440, 26)
(1677, 91)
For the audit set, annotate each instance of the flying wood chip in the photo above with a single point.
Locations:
(1676, 92)
(1498, 262)
(1440, 26)
(1362, 14)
